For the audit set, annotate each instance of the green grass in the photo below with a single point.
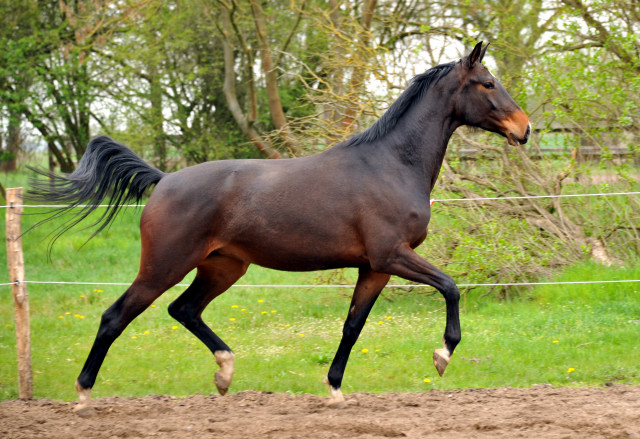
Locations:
(593, 329)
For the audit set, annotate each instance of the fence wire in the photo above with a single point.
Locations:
(433, 200)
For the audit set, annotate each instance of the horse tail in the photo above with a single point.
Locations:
(107, 169)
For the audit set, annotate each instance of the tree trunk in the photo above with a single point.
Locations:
(271, 78)
(229, 90)
(13, 145)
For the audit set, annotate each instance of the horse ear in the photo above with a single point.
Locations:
(482, 52)
(475, 55)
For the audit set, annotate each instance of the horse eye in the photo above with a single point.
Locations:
(489, 85)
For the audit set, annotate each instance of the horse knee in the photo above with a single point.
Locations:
(450, 290)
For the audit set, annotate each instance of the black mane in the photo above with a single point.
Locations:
(416, 90)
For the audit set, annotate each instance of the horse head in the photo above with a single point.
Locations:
(483, 102)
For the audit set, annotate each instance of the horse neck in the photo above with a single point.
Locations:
(420, 139)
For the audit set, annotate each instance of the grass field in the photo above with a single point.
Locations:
(284, 339)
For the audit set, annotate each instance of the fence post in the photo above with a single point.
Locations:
(15, 260)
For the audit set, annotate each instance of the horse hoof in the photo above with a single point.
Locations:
(441, 360)
(83, 410)
(336, 401)
(222, 383)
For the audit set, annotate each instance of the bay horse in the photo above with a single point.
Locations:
(363, 203)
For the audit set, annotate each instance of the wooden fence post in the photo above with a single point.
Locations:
(15, 260)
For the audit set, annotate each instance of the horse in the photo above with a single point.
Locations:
(363, 203)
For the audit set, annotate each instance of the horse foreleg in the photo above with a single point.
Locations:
(215, 275)
(409, 265)
(368, 288)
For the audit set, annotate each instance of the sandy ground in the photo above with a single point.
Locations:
(538, 412)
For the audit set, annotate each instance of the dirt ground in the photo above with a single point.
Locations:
(538, 412)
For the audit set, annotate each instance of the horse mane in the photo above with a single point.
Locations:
(418, 87)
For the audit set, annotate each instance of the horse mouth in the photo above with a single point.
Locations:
(513, 140)
(516, 135)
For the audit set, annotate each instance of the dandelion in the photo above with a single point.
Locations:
(61, 317)
(243, 309)
(134, 337)
(380, 323)
(301, 335)
(232, 319)
(146, 332)
(389, 317)
(153, 306)
(571, 369)
(264, 312)
(364, 351)
(427, 380)
(273, 311)
(234, 306)
(67, 313)
(260, 300)
(81, 317)
(287, 325)
(76, 315)
(555, 341)
(82, 296)
(174, 327)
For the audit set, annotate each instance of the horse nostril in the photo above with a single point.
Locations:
(527, 133)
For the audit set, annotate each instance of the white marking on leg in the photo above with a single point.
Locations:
(224, 376)
(337, 398)
(84, 401)
(441, 358)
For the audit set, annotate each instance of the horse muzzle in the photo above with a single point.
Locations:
(516, 128)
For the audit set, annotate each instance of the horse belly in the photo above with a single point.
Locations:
(295, 253)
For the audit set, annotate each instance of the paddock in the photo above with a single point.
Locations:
(535, 412)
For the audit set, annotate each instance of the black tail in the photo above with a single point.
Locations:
(107, 169)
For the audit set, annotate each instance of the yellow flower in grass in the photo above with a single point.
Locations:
(571, 369)
(264, 312)
(234, 306)
(260, 300)
(555, 341)
(232, 319)
(146, 332)
(364, 351)
(174, 327)
(427, 380)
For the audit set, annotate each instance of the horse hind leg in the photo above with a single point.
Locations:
(114, 320)
(214, 276)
